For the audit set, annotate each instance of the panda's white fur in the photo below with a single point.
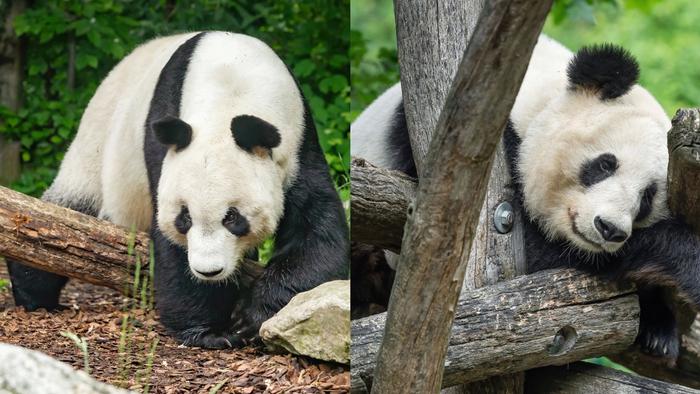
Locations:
(106, 164)
(562, 128)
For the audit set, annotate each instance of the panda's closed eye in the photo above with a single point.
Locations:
(236, 223)
(183, 221)
(598, 169)
(646, 204)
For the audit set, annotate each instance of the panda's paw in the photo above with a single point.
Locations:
(659, 339)
(211, 339)
(247, 324)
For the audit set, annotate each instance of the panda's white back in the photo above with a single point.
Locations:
(105, 165)
(118, 109)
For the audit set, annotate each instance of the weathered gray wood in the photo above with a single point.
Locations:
(511, 326)
(585, 378)
(495, 257)
(451, 192)
(379, 203)
(432, 37)
(69, 243)
(684, 166)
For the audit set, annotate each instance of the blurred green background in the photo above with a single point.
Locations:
(663, 35)
(311, 36)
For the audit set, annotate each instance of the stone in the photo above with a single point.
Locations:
(315, 323)
(25, 371)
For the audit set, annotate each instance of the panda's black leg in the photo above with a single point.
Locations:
(658, 331)
(197, 313)
(311, 243)
(33, 288)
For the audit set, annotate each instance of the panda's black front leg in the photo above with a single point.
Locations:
(658, 330)
(311, 247)
(197, 313)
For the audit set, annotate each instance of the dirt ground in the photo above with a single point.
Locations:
(95, 313)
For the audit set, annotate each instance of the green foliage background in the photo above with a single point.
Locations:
(663, 35)
(310, 36)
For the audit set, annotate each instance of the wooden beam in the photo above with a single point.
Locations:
(379, 203)
(66, 242)
(451, 191)
(585, 378)
(547, 318)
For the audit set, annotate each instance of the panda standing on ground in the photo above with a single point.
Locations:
(587, 150)
(206, 140)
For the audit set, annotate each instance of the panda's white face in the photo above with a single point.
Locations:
(594, 170)
(219, 201)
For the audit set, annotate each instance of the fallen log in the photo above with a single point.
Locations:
(547, 318)
(66, 242)
(589, 378)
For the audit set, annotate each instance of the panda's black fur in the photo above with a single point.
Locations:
(311, 240)
(666, 254)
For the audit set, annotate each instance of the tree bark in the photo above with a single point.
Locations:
(547, 318)
(379, 203)
(585, 378)
(11, 71)
(429, 55)
(443, 222)
(79, 246)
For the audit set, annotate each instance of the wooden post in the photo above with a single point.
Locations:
(451, 191)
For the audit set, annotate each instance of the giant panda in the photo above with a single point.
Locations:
(205, 140)
(586, 147)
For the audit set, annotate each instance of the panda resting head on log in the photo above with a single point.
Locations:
(205, 140)
(586, 147)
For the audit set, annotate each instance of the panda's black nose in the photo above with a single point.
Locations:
(609, 231)
(210, 273)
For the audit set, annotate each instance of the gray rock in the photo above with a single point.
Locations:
(25, 371)
(315, 323)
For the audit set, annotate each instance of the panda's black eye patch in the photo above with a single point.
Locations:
(252, 133)
(236, 223)
(183, 221)
(646, 204)
(598, 169)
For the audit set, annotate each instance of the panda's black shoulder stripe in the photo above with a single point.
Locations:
(399, 144)
(166, 100)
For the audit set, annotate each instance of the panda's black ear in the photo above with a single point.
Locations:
(251, 132)
(606, 70)
(172, 131)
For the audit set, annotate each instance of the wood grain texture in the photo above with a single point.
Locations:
(585, 378)
(684, 166)
(66, 242)
(429, 54)
(452, 187)
(511, 326)
(379, 203)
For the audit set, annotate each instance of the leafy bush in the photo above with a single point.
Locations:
(309, 36)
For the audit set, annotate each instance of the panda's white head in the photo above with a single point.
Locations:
(594, 162)
(232, 153)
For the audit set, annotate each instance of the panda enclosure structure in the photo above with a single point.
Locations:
(500, 329)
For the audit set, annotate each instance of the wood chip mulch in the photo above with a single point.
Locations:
(96, 314)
